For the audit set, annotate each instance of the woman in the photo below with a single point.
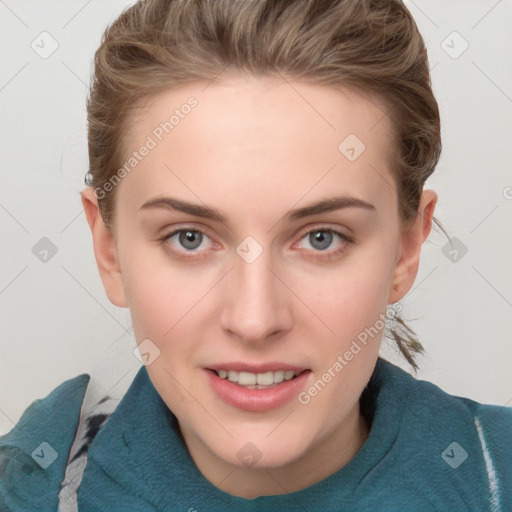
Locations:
(255, 197)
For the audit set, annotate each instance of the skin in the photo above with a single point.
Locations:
(253, 149)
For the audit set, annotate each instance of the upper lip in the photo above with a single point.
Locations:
(256, 368)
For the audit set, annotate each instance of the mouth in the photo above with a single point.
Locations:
(257, 388)
(263, 380)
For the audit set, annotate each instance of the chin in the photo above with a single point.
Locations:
(264, 453)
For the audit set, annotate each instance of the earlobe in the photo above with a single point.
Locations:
(412, 239)
(104, 250)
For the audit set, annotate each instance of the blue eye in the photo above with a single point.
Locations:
(321, 238)
(324, 240)
(190, 240)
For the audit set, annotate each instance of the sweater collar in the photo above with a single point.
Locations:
(141, 448)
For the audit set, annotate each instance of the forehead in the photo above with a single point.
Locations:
(264, 137)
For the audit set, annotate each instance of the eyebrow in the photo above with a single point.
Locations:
(326, 205)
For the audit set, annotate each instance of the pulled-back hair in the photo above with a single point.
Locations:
(370, 46)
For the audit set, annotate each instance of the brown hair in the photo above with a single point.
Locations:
(371, 46)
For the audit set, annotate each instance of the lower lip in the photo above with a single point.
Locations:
(257, 400)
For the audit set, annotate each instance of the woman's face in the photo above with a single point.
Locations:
(245, 273)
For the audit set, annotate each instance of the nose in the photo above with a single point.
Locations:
(256, 302)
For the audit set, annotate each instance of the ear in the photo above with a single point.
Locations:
(412, 239)
(105, 250)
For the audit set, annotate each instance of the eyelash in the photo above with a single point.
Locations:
(321, 255)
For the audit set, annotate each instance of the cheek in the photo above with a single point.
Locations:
(347, 296)
(353, 304)
(163, 301)
(149, 301)
(352, 297)
(160, 293)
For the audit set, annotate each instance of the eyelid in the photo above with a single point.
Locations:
(324, 227)
(169, 231)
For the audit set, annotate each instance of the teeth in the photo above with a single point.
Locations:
(246, 378)
(265, 379)
(262, 379)
(279, 376)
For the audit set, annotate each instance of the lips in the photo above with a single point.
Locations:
(256, 388)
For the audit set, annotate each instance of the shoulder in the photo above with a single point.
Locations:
(33, 454)
(428, 400)
(422, 399)
(461, 444)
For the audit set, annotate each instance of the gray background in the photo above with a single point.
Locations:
(56, 321)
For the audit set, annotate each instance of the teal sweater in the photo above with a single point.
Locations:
(426, 451)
